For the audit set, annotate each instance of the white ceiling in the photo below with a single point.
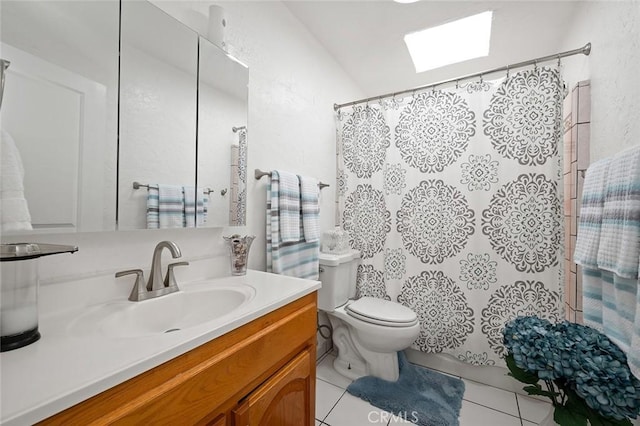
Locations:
(366, 37)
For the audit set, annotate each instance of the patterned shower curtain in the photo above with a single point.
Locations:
(453, 198)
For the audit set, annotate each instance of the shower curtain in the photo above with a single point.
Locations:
(453, 197)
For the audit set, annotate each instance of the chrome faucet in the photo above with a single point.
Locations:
(156, 286)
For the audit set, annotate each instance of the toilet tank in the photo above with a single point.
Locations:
(338, 273)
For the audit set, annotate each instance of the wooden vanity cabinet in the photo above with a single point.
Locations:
(260, 374)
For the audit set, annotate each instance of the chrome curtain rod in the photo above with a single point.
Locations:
(138, 185)
(585, 50)
(259, 174)
(237, 129)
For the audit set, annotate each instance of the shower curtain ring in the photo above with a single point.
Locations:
(535, 65)
(507, 71)
(457, 84)
(481, 79)
(559, 63)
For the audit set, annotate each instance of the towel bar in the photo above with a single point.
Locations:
(259, 174)
(138, 185)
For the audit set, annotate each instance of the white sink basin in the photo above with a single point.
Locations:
(198, 304)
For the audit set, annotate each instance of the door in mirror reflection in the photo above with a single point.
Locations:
(158, 92)
(58, 113)
(222, 135)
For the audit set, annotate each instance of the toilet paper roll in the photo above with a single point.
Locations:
(217, 26)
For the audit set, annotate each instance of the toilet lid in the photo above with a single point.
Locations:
(382, 312)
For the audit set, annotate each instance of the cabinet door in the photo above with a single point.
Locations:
(285, 399)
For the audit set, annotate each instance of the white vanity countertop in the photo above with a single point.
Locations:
(63, 369)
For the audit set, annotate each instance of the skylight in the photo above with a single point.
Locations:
(453, 42)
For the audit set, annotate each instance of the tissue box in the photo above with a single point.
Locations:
(335, 241)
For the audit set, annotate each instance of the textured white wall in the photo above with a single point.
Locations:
(613, 28)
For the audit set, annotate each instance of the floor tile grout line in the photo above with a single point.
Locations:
(529, 420)
(491, 408)
(331, 383)
(333, 406)
(519, 412)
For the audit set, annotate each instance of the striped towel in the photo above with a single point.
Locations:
(194, 206)
(309, 200)
(590, 223)
(298, 259)
(608, 248)
(289, 206)
(619, 247)
(170, 206)
(153, 221)
(612, 306)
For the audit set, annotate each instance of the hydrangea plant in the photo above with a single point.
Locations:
(585, 374)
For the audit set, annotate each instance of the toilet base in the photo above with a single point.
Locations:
(355, 361)
(351, 370)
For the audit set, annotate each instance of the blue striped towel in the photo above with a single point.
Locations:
(289, 206)
(153, 221)
(590, 223)
(619, 247)
(309, 200)
(608, 249)
(170, 206)
(194, 206)
(298, 259)
(612, 305)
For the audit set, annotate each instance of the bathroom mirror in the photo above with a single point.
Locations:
(84, 137)
(222, 134)
(58, 111)
(158, 92)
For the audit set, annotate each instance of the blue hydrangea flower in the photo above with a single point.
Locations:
(581, 358)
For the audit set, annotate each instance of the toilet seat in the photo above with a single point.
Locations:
(381, 312)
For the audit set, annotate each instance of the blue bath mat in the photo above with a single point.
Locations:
(421, 396)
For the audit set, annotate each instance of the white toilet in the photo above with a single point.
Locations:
(367, 332)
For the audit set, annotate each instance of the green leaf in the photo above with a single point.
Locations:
(537, 390)
(566, 417)
(518, 373)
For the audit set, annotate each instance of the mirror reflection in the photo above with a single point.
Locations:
(158, 92)
(58, 115)
(222, 134)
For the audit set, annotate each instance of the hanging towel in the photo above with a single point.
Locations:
(310, 206)
(297, 259)
(619, 247)
(289, 206)
(590, 223)
(194, 206)
(611, 304)
(171, 206)
(14, 209)
(153, 220)
(608, 249)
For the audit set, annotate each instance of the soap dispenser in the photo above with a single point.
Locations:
(19, 291)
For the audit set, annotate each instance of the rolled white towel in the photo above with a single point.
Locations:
(14, 209)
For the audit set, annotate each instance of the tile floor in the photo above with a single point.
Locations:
(482, 405)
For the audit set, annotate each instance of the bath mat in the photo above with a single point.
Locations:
(421, 396)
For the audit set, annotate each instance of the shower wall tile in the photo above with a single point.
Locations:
(583, 138)
(579, 288)
(576, 139)
(573, 178)
(574, 106)
(584, 102)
